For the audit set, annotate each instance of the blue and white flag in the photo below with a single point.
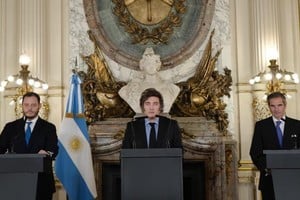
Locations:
(74, 165)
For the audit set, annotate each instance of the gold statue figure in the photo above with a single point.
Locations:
(100, 90)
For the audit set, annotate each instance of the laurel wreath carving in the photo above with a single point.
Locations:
(144, 34)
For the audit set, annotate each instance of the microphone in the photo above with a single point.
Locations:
(167, 136)
(133, 134)
(10, 148)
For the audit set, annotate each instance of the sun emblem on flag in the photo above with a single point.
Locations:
(75, 143)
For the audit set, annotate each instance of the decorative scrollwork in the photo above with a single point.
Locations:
(100, 90)
(201, 95)
(157, 33)
(260, 109)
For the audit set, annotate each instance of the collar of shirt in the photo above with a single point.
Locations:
(33, 122)
(147, 121)
(281, 124)
(282, 120)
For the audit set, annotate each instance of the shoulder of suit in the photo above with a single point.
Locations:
(137, 120)
(292, 119)
(17, 121)
(167, 119)
(163, 117)
(41, 120)
(265, 120)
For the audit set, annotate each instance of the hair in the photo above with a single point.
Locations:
(31, 94)
(276, 95)
(151, 92)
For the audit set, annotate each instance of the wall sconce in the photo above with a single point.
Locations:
(275, 79)
(24, 82)
(23, 79)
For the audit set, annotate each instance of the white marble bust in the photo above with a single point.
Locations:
(149, 78)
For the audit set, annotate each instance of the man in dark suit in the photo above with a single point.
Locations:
(266, 137)
(139, 132)
(42, 139)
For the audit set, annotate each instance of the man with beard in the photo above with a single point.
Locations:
(30, 135)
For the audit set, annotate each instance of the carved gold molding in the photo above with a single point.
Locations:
(260, 109)
(100, 90)
(201, 94)
(246, 165)
(149, 21)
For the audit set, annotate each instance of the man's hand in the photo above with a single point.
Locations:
(48, 153)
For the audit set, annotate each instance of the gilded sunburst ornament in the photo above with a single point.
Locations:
(75, 143)
(148, 20)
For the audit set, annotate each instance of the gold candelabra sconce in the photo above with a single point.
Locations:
(275, 80)
(23, 83)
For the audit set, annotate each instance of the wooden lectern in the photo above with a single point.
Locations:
(149, 174)
(19, 173)
(285, 169)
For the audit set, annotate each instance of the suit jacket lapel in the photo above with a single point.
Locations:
(141, 133)
(21, 129)
(288, 131)
(287, 128)
(162, 131)
(20, 137)
(36, 127)
(21, 126)
(35, 130)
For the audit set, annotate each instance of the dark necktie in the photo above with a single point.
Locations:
(279, 132)
(28, 132)
(152, 139)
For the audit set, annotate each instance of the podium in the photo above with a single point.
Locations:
(285, 169)
(151, 174)
(19, 173)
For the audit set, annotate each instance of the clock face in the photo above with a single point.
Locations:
(175, 29)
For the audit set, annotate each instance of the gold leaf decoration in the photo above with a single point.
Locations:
(100, 90)
(201, 94)
(158, 33)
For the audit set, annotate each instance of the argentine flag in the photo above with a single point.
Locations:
(74, 165)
